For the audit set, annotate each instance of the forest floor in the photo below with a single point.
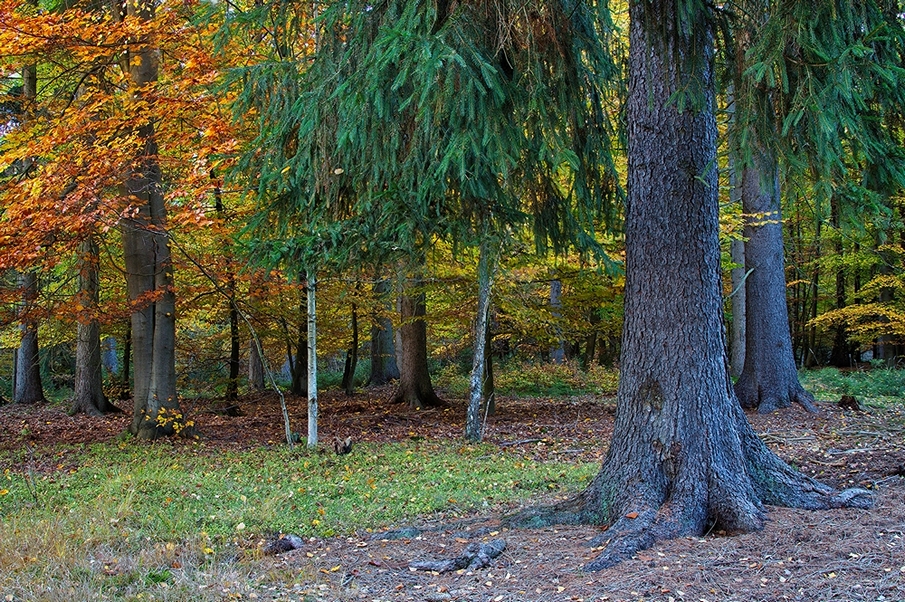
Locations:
(843, 555)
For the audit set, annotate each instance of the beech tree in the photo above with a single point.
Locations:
(89, 397)
(28, 388)
(683, 457)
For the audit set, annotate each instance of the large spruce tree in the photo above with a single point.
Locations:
(683, 457)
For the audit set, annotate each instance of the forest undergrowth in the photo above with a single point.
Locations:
(90, 515)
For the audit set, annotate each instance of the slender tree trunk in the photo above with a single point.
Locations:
(737, 342)
(28, 388)
(841, 355)
(232, 382)
(489, 383)
(351, 356)
(769, 379)
(415, 387)
(557, 353)
(474, 425)
(590, 342)
(737, 275)
(811, 360)
(255, 368)
(127, 358)
(14, 373)
(89, 395)
(298, 363)
(298, 369)
(311, 285)
(886, 344)
(383, 352)
(683, 458)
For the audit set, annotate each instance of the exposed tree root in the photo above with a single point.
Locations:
(767, 397)
(417, 399)
(688, 503)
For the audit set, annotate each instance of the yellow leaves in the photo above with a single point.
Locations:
(4, 492)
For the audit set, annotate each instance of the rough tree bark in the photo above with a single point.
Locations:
(415, 387)
(769, 379)
(383, 352)
(28, 388)
(89, 395)
(683, 457)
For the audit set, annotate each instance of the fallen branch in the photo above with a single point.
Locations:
(520, 442)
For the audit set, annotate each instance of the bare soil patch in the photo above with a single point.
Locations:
(843, 555)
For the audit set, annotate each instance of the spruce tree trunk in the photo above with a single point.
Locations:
(383, 348)
(474, 424)
(415, 387)
(28, 388)
(89, 395)
(769, 379)
(683, 458)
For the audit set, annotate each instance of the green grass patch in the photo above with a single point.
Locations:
(878, 387)
(116, 525)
